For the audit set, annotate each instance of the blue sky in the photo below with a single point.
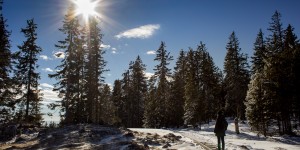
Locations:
(136, 27)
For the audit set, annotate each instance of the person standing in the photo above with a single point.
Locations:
(220, 128)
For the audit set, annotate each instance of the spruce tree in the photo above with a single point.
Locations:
(94, 71)
(275, 71)
(150, 114)
(138, 91)
(162, 72)
(118, 101)
(131, 104)
(292, 55)
(289, 78)
(209, 81)
(126, 99)
(178, 90)
(236, 78)
(257, 109)
(67, 72)
(108, 109)
(6, 96)
(192, 95)
(27, 75)
(257, 105)
(258, 58)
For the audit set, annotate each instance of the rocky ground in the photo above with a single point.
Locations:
(89, 137)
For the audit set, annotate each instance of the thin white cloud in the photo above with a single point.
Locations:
(105, 46)
(47, 69)
(114, 50)
(151, 52)
(141, 32)
(59, 55)
(45, 57)
(46, 86)
(49, 96)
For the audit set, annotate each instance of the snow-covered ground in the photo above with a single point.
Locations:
(184, 143)
(245, 140)
(86, 136)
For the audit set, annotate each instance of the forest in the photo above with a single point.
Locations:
(262, 89)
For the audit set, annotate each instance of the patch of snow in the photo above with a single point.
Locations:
(245, 140)
(101, 137)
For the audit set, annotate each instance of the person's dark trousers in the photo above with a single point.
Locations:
(221, 138)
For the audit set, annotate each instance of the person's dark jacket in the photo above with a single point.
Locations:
(221, 126)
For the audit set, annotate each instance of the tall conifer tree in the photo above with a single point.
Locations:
(118, 101)
(6, 96)
(177, 90)
(292, 56)
(150, 120)
(258, 58)
(209, 81)
(257, 106)
(95, 69)
(274, 72)
(236, 78)
(139, 89)
(162, 73)
(192, 95)
(67, 73)
(26, 74)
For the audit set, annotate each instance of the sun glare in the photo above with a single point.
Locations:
(86, 8)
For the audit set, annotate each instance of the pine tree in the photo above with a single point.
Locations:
(177, 90)
(275, 40)
(150, 114)
(192, 95)
(108, 109)
(138, 91)
(26, 74)
(257, 105)
(131, 103)
(162, 72)
(257, 109)
(236, 78)
(209, 81)
(258, 61)
(95, 69)
(289, 78)
(275, 71)
(118, 101)
(68, 73)
(126, 98)
(296, 66)
(6, 96)
(292, 55)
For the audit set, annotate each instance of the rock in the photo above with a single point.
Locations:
(146, 146)
(166, 145)
(128, 134)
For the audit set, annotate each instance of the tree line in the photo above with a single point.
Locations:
(266, 93)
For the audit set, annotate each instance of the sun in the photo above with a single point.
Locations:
(86, 8)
